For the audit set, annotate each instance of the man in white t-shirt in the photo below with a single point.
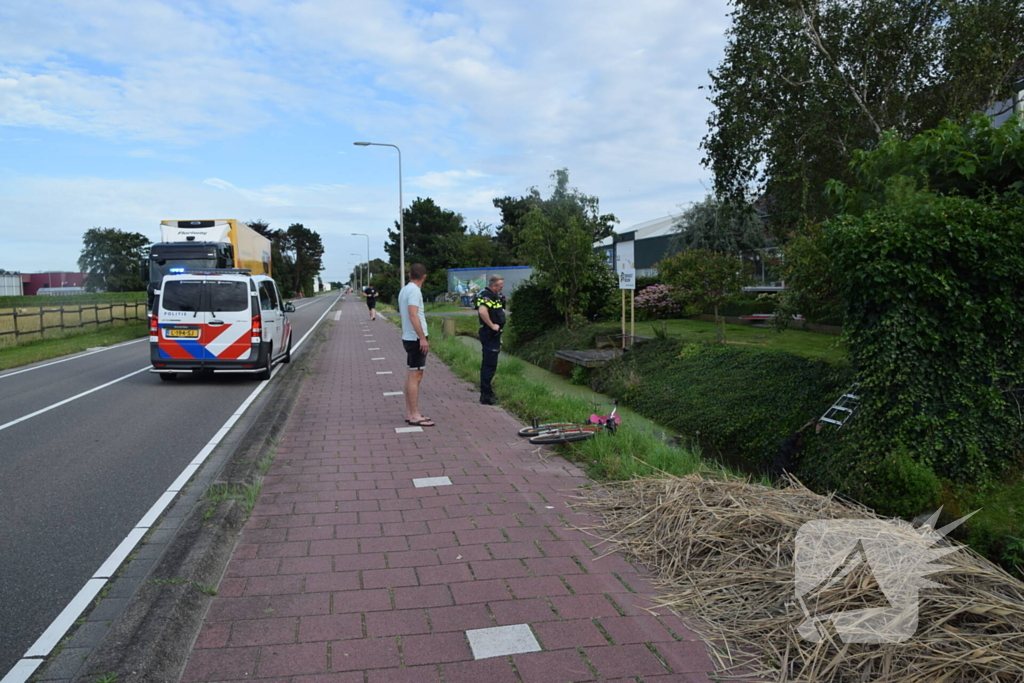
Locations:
(414, 339)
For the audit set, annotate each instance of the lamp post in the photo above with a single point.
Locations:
(401, 220)
(368, 275)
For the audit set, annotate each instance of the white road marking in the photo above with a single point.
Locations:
(431, 481)
(75, 357)
(52, 635)
(380, 358)
(69, 400)
(407, 430)
(394, 393)
(22, 671)
(337, 316)
(56, 630)
(373, 348)
(385, 372)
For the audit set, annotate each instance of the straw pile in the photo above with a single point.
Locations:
(724, 553)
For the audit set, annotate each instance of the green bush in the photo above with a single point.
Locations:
(935, 316)
(746, 304)
(533, 312)
(738, 402)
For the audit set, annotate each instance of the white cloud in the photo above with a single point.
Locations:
(486, 99)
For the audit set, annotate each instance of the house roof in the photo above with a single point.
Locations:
(656, 227)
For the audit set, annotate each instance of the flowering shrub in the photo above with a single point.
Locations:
(658, 302)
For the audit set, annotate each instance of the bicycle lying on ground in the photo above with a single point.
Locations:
(569, 432)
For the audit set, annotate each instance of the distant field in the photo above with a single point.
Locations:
(31, 318)
(55, 301)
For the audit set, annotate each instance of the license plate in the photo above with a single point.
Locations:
(182, 332)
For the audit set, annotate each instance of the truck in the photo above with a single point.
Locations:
(204, 244)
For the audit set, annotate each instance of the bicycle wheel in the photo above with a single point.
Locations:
(567, 435)
(550, 427)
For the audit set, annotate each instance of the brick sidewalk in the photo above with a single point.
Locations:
(352, 571)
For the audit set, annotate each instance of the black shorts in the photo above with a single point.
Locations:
(371, 302)
(417, 360)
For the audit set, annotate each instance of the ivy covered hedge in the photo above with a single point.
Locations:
(935, 327)
(741, 402)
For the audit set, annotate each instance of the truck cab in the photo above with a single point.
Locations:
(218, 320)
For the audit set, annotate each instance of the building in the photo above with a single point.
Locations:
(31, 283)
(653, 242)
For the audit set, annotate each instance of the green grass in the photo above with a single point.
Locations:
(45, 349)
(445, 307)
(74, 299)
(541, 351)
(631, 452)
(247, 495)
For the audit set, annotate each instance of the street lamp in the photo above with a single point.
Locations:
(401, 220)
(368, 275)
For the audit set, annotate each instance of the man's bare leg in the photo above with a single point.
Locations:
(412, 395)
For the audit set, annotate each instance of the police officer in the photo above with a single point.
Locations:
(491, 307)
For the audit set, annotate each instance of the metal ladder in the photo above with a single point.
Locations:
(844, 408)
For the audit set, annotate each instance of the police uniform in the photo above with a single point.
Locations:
(490, 341)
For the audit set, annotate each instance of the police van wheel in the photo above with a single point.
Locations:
(168, 376)
(265, 372)
(288, 354)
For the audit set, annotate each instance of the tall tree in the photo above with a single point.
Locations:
(110, 258)
(557, 238)
(432, 236)
(281, 259)
(806, 82)
(308, 252)
(712, 225)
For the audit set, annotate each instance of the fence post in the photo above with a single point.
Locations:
(15, 310)
(42, 325)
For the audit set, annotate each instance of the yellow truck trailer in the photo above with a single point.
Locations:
(216, 243)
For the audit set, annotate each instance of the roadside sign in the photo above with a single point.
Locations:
(625, 267)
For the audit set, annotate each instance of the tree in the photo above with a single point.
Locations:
(805, 82)
(432, 236)
(309, 251)
(557, 238)
(712, 225)
(281, 259)
(708, 277)
(110, 258)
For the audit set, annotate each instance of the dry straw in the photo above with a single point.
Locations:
(723, 552)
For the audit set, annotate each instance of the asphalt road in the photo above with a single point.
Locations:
(74, 480)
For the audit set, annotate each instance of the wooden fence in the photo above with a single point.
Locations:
(22, 324)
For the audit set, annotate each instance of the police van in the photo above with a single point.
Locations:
(223, 320)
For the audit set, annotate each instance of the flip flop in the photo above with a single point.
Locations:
(428, 419)
(425, 422)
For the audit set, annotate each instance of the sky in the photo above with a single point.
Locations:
(123, 113)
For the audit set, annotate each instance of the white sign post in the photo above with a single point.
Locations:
(625, 268)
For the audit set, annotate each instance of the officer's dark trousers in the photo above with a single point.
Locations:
(490, 342)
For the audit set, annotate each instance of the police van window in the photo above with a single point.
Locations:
(182, 295)
(268, 301)
(229, 296)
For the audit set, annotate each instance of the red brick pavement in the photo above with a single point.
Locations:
(347, 573)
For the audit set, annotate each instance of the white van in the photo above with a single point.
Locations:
(220, 321)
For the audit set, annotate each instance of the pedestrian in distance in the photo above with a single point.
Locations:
(371, 300)
(490, 305)
(414, 339)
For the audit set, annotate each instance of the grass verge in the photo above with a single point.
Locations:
(45, 349)
(629, 453)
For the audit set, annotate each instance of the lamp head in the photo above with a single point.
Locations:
(361, 144)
